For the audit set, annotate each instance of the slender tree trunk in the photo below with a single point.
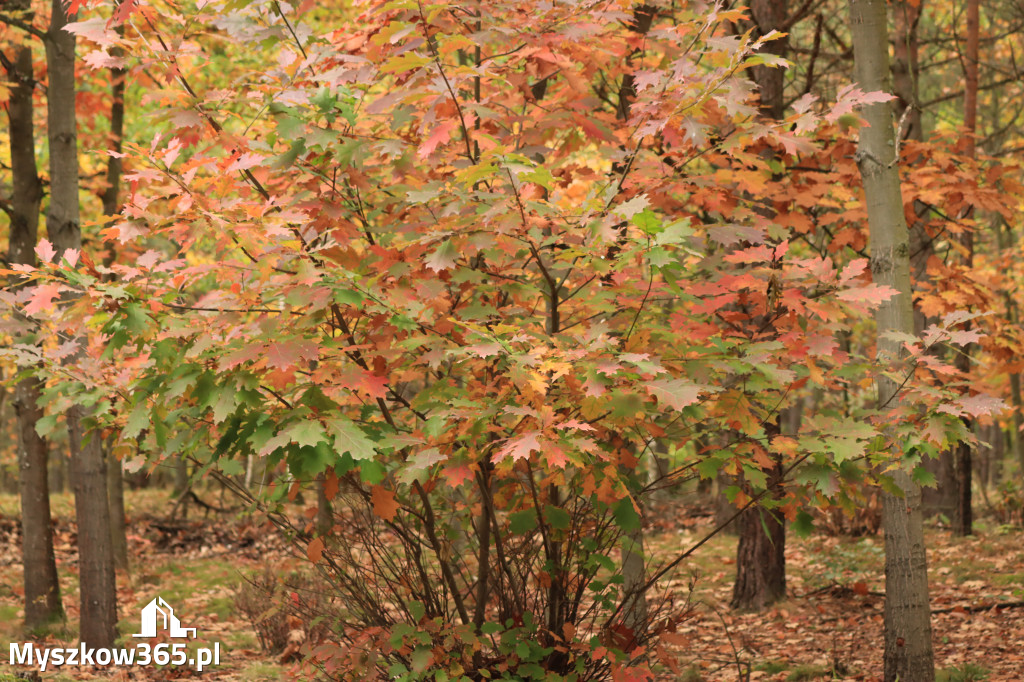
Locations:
(42, 588)
(112, 207)
(761, 550)
(95, 551)
(324, 512)
(905, 68)
(942, 498)
(908, 636)
(115, 503)
(771, 15)
(963, 519)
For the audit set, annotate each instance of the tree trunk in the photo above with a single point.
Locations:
(905, 69)
(760, 554)
(761, 550)
(324, 512)
(112, 207)
(42, 588)
(941, 499)
(95, 551)
(771, 15)
(963, 521)
(908, 636)
(634, 574)
(115, 502)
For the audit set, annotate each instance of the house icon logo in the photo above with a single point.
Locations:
(158, 611)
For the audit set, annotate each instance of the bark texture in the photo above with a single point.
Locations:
(88, 470)
(760, 555)
(908, 637)
(771, 15)
(761, 551)
(42, 588)
(115, 503)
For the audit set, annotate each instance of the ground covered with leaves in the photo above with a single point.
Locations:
(829, 628)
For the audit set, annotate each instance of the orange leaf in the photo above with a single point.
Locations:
(384, 504)
(330, 484)
(315, 549)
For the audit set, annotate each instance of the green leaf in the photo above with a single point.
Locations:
(420, 659)
(648, 221)
(625, 515)
(676, 393)
(522, 522)
(231, 467)
(348, 437)
(348, 297)
(557, 518)
(924, 478)
(372, 472)
(306, 433)
(803, 526)
(138, 419)
(45, 426)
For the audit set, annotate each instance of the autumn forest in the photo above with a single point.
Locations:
(586, 340)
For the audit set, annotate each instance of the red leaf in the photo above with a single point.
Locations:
(285, 354)
(441, 133)
(457, 474)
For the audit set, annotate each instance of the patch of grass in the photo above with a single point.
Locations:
(241, 640)
(968, 672)
(62, 631)
(692, 674)
(189, 579)
(801, 673)
(265, 672)
(1007, 579)
(224, 607)
(8, 613)
(772, 667)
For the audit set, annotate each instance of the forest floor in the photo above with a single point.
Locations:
(830, 627)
